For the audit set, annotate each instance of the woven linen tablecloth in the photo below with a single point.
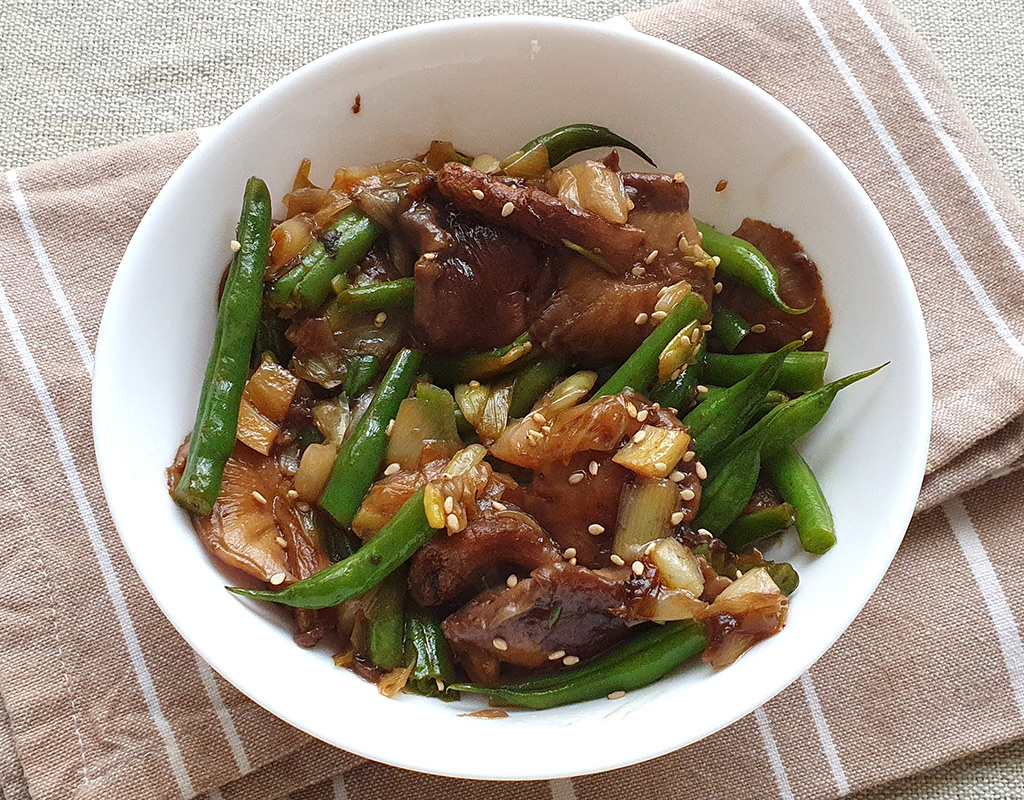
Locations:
(102, 699)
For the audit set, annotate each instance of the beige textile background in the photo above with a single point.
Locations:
(75, 75)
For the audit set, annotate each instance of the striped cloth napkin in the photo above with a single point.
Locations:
(101, 699)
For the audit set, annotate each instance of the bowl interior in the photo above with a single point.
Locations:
(489, 85)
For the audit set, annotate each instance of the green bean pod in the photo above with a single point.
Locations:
(216, 425)
(641, 368)
(359, 458)
(802, 371)
(450, 370)
(760, 524)
(743, 262)
(386, 631)
(362, 369)
(398, 293)
(392, 546)
(728, 327)
(725, 494)
(652, 654)
(531, 382)
(572, 139)
(308, 284)
(427, 651)
(270, 338)
(798, 485)
(719, 419)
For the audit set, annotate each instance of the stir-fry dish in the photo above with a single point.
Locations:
(509, 427)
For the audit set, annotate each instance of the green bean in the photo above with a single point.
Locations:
(651, 654)
(719, 419)
(743, 262)
(786, 423)
(784, 575)
(681, 392)
(386, 631)
(427, 651)
(571, 139)
(728, 327)
(389, 294)
(531, 382)
(362, 369)
(308, 284)
(797, 484)
(725, 494)
(771, 399)
(641, 368)
(358, 460)
(450, 370)
(760, 524)
(270, 338)
(392, 546)
(802, 371)
(216, 425)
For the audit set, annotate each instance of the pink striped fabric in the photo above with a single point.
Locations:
(102, 699)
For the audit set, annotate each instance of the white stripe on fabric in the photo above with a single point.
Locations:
(43, 260)
(214, 794)
(772, 751)
(340, 792)
(973, 182)
(561, 789)
(78, 337)
(226, 722)
(1007, 630)
(825, 735)
(110, 579)
(930, 214)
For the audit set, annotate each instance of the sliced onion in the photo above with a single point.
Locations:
(680, 353)
(656, 454)
(406, 441)
(485, 162)
(332, 417)
(644, 513)
(531, 164)
(314, 470)
(592, 187)
(289, 239)
(677, 566)
(670, 296)
(566, 393)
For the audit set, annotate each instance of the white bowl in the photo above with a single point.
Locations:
(489, 85)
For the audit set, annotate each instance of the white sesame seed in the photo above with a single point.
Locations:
(392, 468)
(572, 561)
(702, 389)
(281, 541)
(593, 467)
(440, 684)
(511, 580)
(449, 504)
(545, 429)
(479, 195)
(259, 498)
(660, 466)
(704, 532)
(534, 435)
(638, 568)
(539, 418)
(658, 316)
(702, 471)
(656, 406)
(277, 578)
(474, 384)
(676, 476)
(717, 260)
(303, 507)
(641, 318)
(499, 643)
(380, 319)
(507, 209)
(594, 529)
(638, 272)
(497, 505)
(651, 256)
(616, 559)
(689, 455)
(430, 256)
(631, 410)
(807, 335)
(391, 427)
(640, 435)
(641, 415)
(452, 522)
(758, 328)
(705, 328)
(555, 656)
(292, 494)
(649, 547)
(662, 290)
(235, 245)
(718, 287)
(617, 695)
(576, 477)
(569, 552)
(738, 574)
(679, 177)
(687, 494)
(676, 518)
(570, 660)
